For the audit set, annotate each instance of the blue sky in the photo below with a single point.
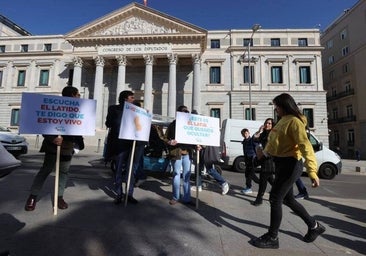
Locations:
(45, 17)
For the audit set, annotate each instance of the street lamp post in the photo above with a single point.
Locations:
(254, 29)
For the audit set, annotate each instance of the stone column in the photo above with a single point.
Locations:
(76, 79)
(149, 59)
(32, 70)
(98, 90)
(121, 78)
(172, 88)
(9, 76)
(196, 103)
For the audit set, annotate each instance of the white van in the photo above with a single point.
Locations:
(231, 141)
(329, 162)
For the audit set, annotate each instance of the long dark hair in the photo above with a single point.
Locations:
(288, 105)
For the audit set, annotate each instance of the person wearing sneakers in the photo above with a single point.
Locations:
(180, 156)
(49, 147)
(303, 193)
(249, 154)
(211, 156)
(288, 144)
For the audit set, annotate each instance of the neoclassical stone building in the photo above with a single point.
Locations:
(167, 62)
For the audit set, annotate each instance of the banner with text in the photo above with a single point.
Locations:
(56, 115)
(135, 123)
(197, 129)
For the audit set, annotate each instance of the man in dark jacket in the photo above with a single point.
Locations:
(119, 149)
(249, 154)
(49, 147)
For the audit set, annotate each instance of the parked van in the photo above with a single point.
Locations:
(329, 162)
(231, 141)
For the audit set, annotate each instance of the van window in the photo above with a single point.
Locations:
(315, 143)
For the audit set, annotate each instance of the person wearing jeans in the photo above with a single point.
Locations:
(211, 155)
(180, 155)
(178, 164)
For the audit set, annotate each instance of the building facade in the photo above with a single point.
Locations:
(344, 61)
(168, 62)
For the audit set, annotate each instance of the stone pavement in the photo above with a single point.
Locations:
(222, 225)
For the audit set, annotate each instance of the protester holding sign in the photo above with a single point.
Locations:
(119, 149)
(180, 155)
(49, 146)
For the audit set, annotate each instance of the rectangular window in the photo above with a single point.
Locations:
(345, 68)
(331, 75)
(2, 48)
(335, 113)
(21, 78)
(351, 137)
(275, 42)
(14, 119)
(331, 59)
(246, 42)
(304, 75)
(330, 44)
(345, 51)
(215, 43)
(47, 47)
(1, 78)
(276, 75)
(303, 42)
(349, 109)
(247, 75)
(309, 113)
(247, 114)
(215, 112)
(334, 92)
(24, 48)
(347, 86)
(215, 75)
(43, 77)
(343, 34)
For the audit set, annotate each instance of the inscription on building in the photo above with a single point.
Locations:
(135, 49)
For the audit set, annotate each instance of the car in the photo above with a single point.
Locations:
(7, 162)
(12, 142)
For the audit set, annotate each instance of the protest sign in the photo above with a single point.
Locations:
(56, 115)
(197, 129)
(135, 124)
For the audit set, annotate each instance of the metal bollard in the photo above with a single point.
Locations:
(37, 141)
(99, 140)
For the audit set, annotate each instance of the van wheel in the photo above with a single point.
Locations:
(327, 171)
(239, 164)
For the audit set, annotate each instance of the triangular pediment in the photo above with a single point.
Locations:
(135, 20)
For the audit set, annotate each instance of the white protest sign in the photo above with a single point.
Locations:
(135, 123)
(56, 115)
(197, 129)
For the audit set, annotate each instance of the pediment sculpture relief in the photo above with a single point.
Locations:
(135, 26)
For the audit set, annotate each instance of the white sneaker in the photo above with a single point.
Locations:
(247, 191)
(225, 188)
(193, 188)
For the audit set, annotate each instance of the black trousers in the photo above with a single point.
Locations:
(288, 170)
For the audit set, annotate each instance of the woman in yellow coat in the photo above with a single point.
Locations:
(288, 144)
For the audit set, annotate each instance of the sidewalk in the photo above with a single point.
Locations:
(222, 225)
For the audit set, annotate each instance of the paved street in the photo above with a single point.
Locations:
(222, 225)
